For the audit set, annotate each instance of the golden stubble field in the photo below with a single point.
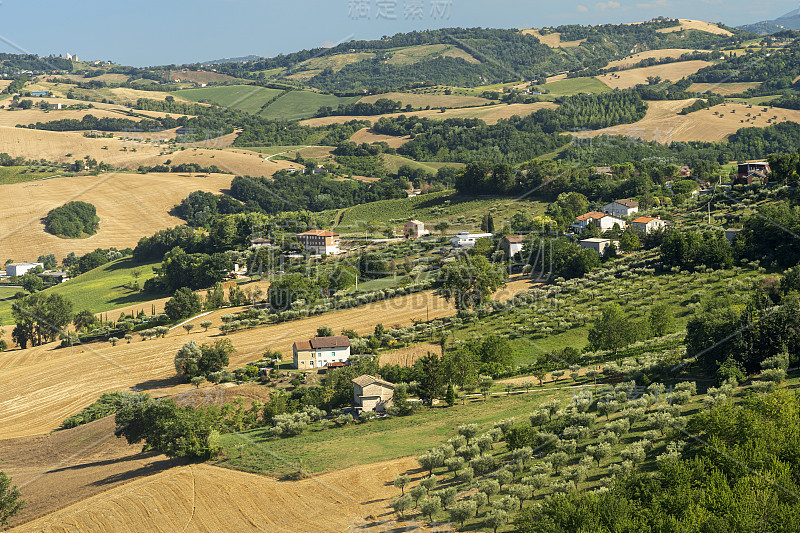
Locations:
(489, 114)
(207, 498)
(626, 79)
(650, 54)
(689, 24)
(41, 386)
(130, 153)
(130, 206)
(662, 122)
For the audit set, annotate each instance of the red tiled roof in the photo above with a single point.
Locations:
(514, 238)
(591, 214)
(645, 220)
(319, 233)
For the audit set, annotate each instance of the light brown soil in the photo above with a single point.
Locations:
(366, 135)
(130, 206)
(208, 498)
(626, 79)
(65, 467)
(489, 114)
(688, 24)
(658, 54)
(553, 40)
(35, 398)
(663, 123)
(724, 88)
(433, 100)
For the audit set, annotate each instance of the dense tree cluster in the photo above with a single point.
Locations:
(74, 219)
(291, 192)
(381, 106)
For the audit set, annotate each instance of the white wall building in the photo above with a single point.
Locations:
(20, 269)
(467, 240)
(320, 351)
(622, 208)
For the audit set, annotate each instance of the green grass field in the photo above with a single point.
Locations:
(335, 448)
(298, 105)
(247, 98)
(394, 162)
(20, 174)
(572, 86)
(101, 289)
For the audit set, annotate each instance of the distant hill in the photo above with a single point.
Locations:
(232, 60)
(789, 21)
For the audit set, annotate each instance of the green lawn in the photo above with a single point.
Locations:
(576, 86)
(248, 98)
(297, 105)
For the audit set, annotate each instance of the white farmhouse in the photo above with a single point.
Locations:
(321, 351)
(20, 269)
(622, 208)
(648, 224)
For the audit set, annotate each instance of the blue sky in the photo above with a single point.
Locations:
(150, 32)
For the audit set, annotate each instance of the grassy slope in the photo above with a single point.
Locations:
(101, 289)
(298, 105)
(246, 98)
(575, 86)
(330, 449)
(19, 174)
(433, 207)
(394, 162)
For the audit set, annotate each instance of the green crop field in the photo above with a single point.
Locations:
(298, 105)
(248, 98)
(461, 212)
(572, 86)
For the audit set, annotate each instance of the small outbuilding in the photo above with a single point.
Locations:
(372, 394)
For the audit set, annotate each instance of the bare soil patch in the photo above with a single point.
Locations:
(626, 79)
(662, 122)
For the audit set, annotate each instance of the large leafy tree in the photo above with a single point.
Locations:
(612, 330)
(470, 282)
(40, 318)
(183, 304)
(10, 502)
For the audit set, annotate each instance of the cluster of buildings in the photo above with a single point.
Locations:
(324, 353)
(20, 269)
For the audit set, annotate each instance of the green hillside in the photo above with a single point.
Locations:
(297, 105)
(248, 98)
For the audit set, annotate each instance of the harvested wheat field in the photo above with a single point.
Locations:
(724, 88)
(625, 79)
(130, 206)
(31, 116)
(433, 100)
(34, 399)
(406, 356)
(489, 114)
(662, 122)
(208, 498)
(553, 40)
(689, 24)
(650, 54)
(366, 135)
(130, 154)
(68, 466)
